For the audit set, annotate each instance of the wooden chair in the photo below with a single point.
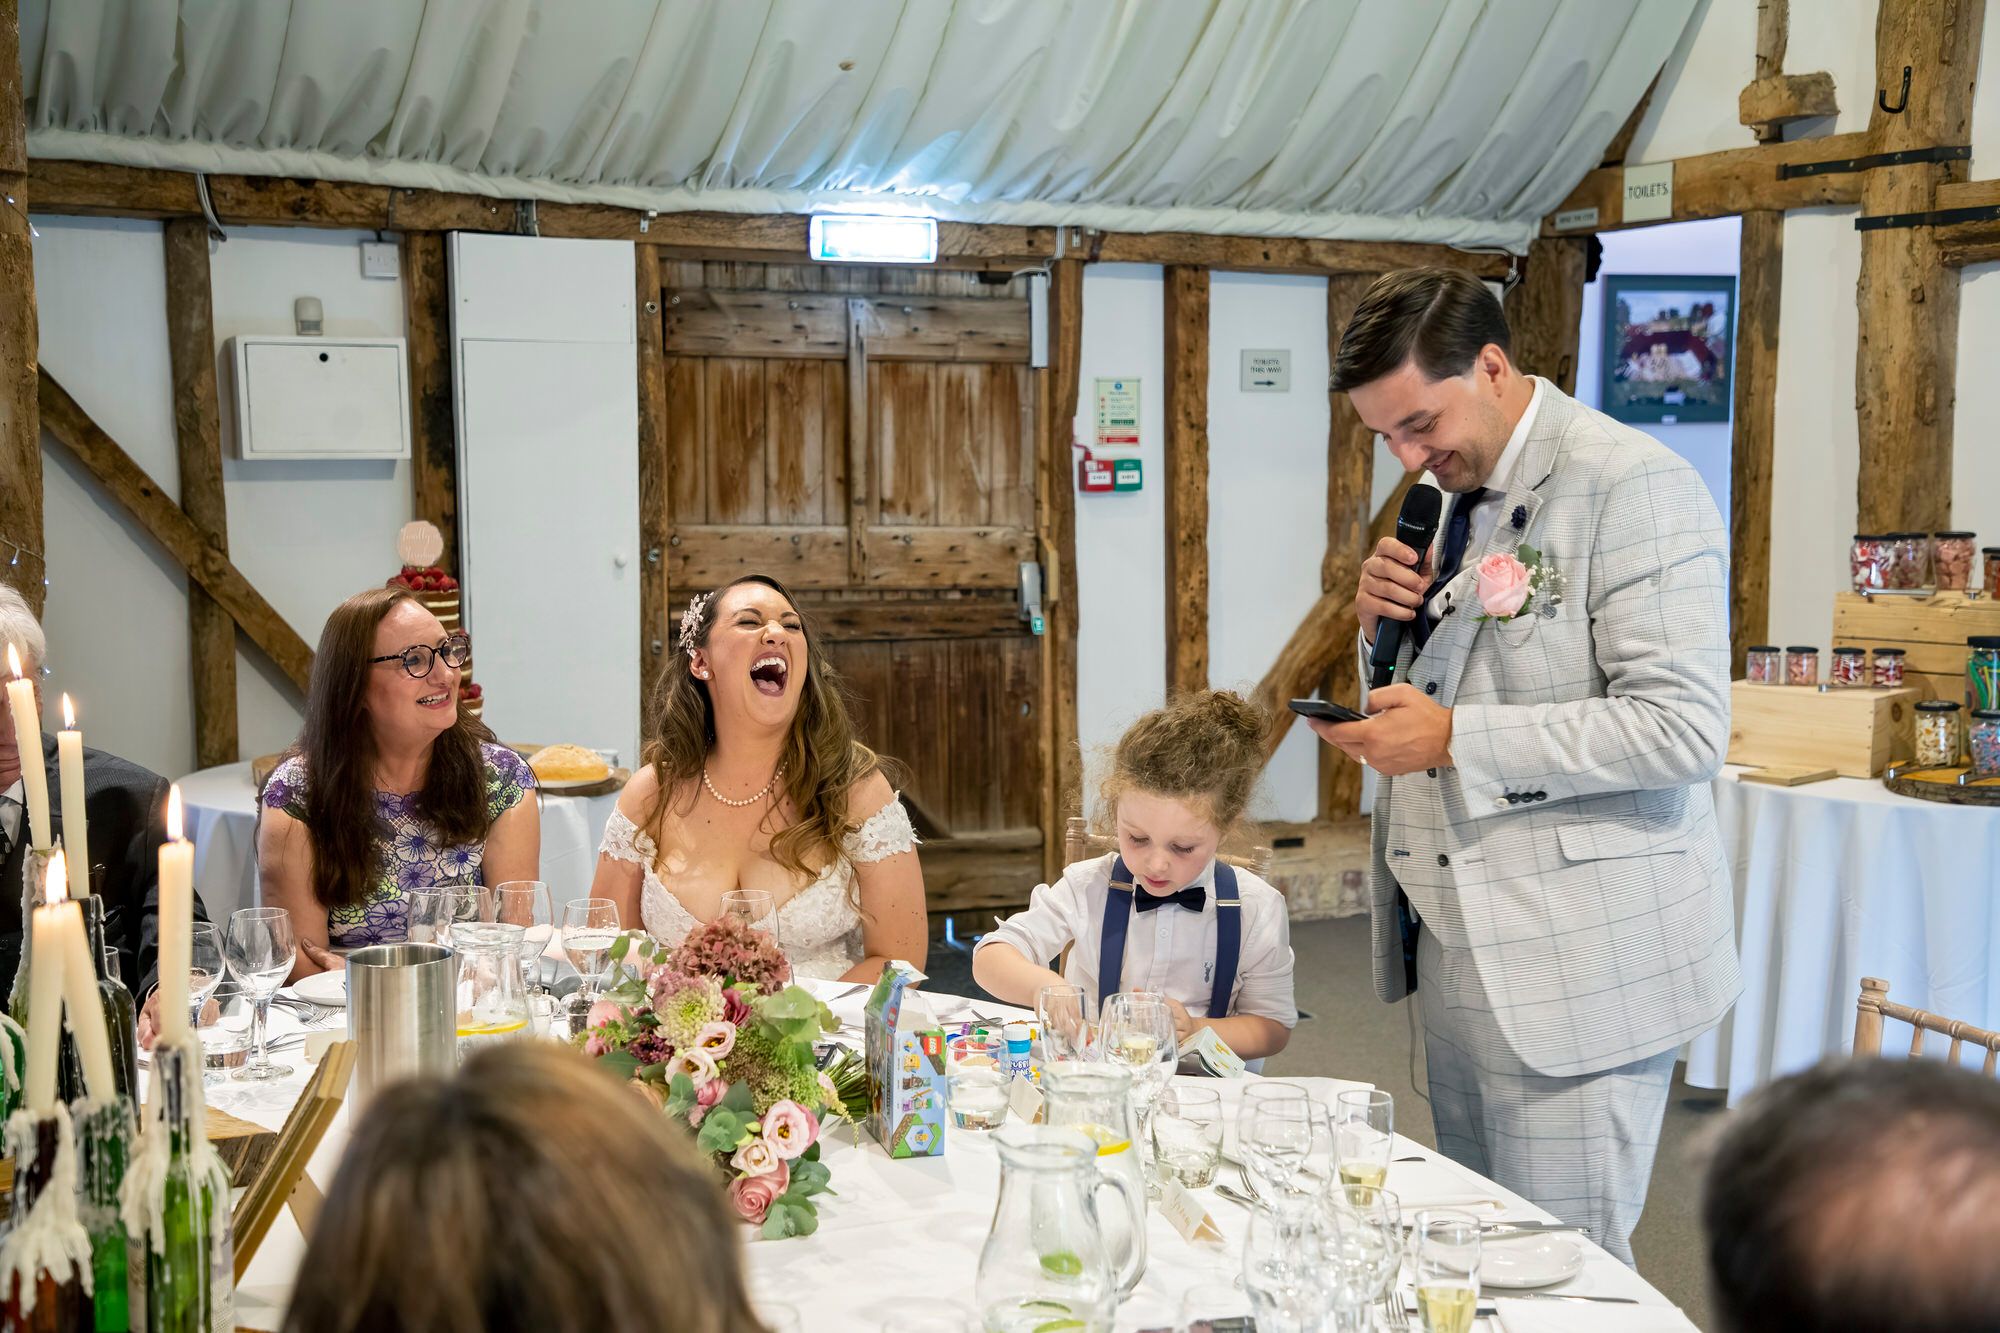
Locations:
(1080, 844)
(1874, 1006)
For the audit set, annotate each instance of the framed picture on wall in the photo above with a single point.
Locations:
(1669, 348)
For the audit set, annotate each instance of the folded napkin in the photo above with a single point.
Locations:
(1420, 1185)
(1530, 1316)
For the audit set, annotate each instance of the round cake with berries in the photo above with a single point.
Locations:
(420, 544)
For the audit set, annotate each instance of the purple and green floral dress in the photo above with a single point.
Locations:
(412, 853)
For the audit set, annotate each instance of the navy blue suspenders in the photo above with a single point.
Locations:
(1228, 935)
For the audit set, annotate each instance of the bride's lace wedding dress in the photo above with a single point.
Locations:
(819, 926)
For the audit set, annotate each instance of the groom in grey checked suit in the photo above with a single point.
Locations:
(1547, 874)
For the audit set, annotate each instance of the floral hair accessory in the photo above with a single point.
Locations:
(691, 621)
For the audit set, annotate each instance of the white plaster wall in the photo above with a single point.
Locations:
(1693, 109)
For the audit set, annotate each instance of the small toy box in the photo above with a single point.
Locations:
(906, 1067)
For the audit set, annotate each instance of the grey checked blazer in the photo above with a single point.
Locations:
(1569, 864)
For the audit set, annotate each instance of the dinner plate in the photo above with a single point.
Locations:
(1515, 1263)
(329, 988)
(571, 784)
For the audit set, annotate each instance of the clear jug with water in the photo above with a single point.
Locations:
(492, 1000)
(1047, 1262)
(1096, 1101)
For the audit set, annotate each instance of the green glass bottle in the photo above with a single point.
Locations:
(121, 1017)
(189, 1270)
(104, 1133)
(57, 1303)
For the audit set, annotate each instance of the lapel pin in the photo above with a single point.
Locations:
(1520, 517)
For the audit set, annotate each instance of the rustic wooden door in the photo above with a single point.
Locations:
(868, 437)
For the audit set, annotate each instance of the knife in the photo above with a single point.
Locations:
(1565, 1296)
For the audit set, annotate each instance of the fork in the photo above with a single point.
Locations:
(1394, 1317)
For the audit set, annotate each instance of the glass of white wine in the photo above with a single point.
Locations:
(1364, 1131)
(589, 928)
(1445, 1256)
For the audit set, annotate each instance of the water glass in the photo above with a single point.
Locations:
(1187, 1135)
(1445, 1256)
(1212, 1307)
(204, 967)
(523, 903)
(1065, 1015)
(589, 929)
(755, 909)
(976, 1097)
(259, 949)
(1364, 1129)
(222, 1026)
(431, 913)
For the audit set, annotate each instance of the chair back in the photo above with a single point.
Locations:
(1081, 844)
(1875, 1005)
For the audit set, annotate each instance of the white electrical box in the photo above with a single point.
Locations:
(307, 398)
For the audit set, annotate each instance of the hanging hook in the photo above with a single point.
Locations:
(1902, 100)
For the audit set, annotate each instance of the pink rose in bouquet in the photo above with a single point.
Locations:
(790, 1129)
(706, 1096)
(602, 1012)
(1504, 585)
(753, 1196)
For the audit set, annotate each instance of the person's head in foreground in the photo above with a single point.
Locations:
(528, 1192)
(1860, 1194)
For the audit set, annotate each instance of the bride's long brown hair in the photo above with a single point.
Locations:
(822, 759)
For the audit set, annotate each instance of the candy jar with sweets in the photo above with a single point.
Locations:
(1937, 733)
(1992, 558)
(1763, 664)
(1911, 563)
(1951, 556)
(1982, 671)
(1850, 667)
(1801, 665)
(1867, 561)
(1888, 668)
(1982, 739)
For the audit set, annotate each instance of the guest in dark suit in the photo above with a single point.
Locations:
(126, 805)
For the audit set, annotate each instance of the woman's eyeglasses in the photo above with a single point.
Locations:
(455, 649)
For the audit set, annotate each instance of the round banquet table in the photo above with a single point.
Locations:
(1840, 880)
(906, 1235)
(221, 810)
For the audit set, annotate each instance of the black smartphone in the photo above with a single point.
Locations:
(1321, 710)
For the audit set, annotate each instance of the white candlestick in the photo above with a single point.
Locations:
(45, 988)
(176, 923)
(86, 1008)
(76, 837)
(28, 739)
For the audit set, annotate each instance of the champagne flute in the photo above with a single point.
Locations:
(259, 948)
(1445, 1255)
(204, 967)
(1064, 1015)
(755, 909)
(1364, 1126)
(523, 903)
(589, 928)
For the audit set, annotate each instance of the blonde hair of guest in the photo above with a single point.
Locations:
(529, 1193)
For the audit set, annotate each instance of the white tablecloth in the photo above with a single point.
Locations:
(221, 811)
(900, 1234)
(1839, 880)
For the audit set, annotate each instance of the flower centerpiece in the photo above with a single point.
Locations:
(713, 1032)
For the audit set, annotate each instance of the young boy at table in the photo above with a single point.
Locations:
(1162, 913)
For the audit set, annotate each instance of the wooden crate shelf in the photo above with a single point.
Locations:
(1931, 631)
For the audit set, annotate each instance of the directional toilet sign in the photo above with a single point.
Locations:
(1267, 370)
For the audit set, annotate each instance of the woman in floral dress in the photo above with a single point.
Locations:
(390, 788)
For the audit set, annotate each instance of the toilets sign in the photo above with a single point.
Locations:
(1649, 193)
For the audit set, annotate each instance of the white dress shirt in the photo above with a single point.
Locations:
(1169, 949)
(13, 812)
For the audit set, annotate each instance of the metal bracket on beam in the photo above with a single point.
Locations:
(1902, 158)
(1942, 217)
(525, 223)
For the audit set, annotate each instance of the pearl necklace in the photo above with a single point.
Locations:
(766, 791)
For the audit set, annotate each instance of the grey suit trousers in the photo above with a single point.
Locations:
(1579, 1145)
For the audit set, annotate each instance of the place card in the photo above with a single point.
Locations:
(1214, 1054)
(1025, 1100)
(1179, 1206)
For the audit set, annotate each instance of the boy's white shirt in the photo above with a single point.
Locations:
(1170, 949)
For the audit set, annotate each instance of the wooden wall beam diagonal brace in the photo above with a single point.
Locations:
(128, 484)
(198, 444)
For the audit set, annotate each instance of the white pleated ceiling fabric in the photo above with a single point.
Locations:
(1459, 121)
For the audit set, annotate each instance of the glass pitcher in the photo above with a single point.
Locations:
(492, 1000)
(1047, 1262)
(1096, 1101)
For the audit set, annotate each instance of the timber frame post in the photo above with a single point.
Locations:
(1350, 476)
(1062, 754)
(1753, 433)
(1186, 483)
(20, 422)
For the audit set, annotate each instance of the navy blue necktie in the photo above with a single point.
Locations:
(1457, 532)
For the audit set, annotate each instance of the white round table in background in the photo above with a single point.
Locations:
(221, 811)
(1840, 880)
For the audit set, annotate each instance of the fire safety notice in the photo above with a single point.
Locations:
(1117, 414)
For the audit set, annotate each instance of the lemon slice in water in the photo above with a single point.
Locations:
(1106, 1138)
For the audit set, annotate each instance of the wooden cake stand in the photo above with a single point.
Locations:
(1942, 784)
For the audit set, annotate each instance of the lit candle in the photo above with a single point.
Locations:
(76, 839)
(45, 988)
(176, 922)
(86, 1006)
(28, 738)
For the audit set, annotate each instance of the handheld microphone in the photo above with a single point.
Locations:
(1416, 526)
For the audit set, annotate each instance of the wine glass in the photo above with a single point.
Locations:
(1064, 1015)
(523, 903)
(1276, 1127)
(1365, 1246)
(1445, 1255)
(1212, 1307)
(589, 928)
(1284, 1273)
(755, 909)
(1364, 1128)
(259, 948)
(204, 967)
(433, 911)
(1138, 1033)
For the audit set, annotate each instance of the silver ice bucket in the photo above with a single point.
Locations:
(402, 1010)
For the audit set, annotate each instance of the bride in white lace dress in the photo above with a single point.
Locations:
(753, 780)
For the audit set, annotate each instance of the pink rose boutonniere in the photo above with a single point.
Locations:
(1508, 585)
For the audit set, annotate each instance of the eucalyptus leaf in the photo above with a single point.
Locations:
(620, 1063)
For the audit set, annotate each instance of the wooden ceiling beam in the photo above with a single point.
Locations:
(1284, 254)
(1739, 180)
